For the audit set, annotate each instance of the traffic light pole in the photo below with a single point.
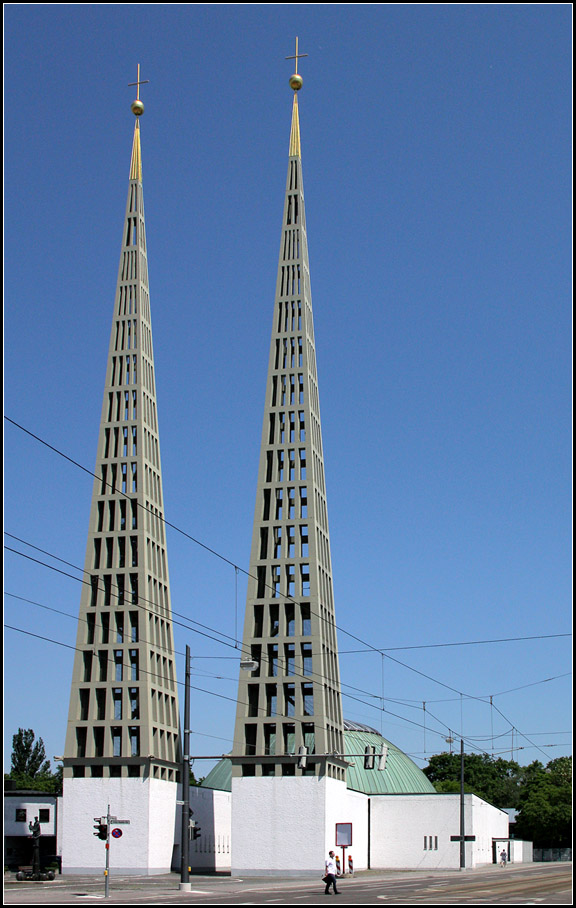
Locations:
(185, 846)
(107, 871)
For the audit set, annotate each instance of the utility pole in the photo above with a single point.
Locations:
(185, 847)
(462, 845)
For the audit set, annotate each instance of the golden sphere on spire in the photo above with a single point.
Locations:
(296, 82)
(137, 108)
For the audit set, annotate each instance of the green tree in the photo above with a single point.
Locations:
(28, 757)
(545, 804)
(29, 766)
(493, 780)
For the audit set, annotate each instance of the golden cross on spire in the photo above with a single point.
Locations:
(296, 56)
(145, 81)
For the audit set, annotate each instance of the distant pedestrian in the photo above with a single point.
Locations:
(330, 877)
(503, 857)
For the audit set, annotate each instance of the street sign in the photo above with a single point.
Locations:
(125, 822)
(344, 834)
(117, 833)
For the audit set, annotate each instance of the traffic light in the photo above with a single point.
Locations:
(194, 830)
(369, 757)
(382, 756)
(101, 829)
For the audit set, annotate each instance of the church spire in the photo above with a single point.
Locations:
(291, 704)
(122, 742)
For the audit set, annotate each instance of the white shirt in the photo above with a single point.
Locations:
(331, 866)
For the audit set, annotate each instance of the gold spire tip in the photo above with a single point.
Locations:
(295, 79)
(137, 106)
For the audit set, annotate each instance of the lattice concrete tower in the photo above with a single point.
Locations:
(122, 743)
(292, 700)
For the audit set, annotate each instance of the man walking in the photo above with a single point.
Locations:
(330, 878)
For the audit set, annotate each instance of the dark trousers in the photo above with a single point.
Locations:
(330, 881)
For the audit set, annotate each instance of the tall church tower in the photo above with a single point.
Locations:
(122, 743)
(289, 731)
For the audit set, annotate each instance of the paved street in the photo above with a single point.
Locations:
(527, 884)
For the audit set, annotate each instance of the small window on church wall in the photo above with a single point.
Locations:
(306, 622)
(105, 626)
(308, 699)
(290, 622)
(289, 658)
(271, 699)
(134, 703)
(289, 700)
(275, 581)
(87, 665)
(272, 660)
(84, 704)
(258, 620)
(270, 738)
(274, 620)
(305, 574)
(263, 542)
(290, 535)
(116, 741)
(118, 666)
(20, 815)
(81, 742)
(98, 735)
(261, 580)
(290, 580)
(117, 700)
(253, 692)
(307, 658)
(277, 542)
(250, 740)
(134, 734)
(91, 623)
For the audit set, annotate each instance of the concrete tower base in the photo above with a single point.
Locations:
(285, 826)
(147, 843)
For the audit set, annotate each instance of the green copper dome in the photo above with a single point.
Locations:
(401, 775)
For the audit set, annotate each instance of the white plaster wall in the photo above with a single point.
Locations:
(32, 806)
(520, 851)
(280, 825)
(488, 823)
(146, 844)
(400, 822)
(350, 807)
(212, 812)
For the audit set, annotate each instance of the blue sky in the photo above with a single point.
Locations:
(436, 145)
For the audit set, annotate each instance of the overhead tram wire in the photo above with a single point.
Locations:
(227, 561)
(378, 697)
(234, 645)
(374, 696)
(193, 687)
(367, 646)
(465, 738)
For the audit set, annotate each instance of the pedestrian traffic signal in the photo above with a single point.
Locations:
(369, 757)
(194, 830)
(101, 829)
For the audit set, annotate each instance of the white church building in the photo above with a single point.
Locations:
(394, 819)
